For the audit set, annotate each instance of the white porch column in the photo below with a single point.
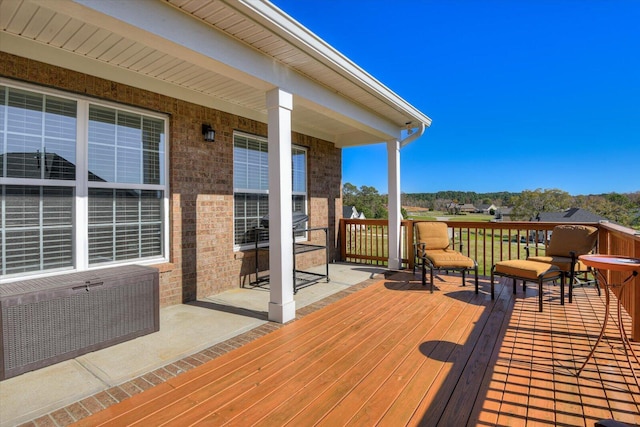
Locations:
(393, 159)
(282, 307)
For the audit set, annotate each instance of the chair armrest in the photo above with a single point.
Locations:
(419, 249)
(527, 249)
(574, 257)
(574, 261)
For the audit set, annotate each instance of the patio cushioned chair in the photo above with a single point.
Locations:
(432, 250)
(567, 243)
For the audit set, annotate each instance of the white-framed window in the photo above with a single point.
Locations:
(251, 185)
(83, 183)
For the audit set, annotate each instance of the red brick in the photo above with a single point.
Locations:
(117, 393)
(62, 417)
(77, 411)
(45, 421)
(92, 405)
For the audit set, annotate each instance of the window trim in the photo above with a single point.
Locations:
(81, 183)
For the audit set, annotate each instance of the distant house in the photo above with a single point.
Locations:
(569, 215)
(467, 207)
(350, 212)
(487, 209)
(572, 215)
(454, 208)
(503, 214)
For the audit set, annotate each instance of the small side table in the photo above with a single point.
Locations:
(613, 263)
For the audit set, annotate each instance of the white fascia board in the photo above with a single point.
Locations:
(162, 27)
(20, 46)
(291, 30)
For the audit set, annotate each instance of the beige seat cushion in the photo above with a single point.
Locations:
(526, 269)
(563, 263)
(441, 258)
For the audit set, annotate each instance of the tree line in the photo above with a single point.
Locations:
(436, 201)
(366, 200)
(623, 209)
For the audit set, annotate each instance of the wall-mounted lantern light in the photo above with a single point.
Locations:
(208, 133)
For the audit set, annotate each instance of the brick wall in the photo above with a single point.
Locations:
(202, 259)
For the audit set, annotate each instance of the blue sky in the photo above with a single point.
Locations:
(523, 94)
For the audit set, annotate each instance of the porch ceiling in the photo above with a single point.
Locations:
(219, 53)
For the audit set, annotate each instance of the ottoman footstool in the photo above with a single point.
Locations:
(528, 271)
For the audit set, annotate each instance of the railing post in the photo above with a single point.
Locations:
(635, 295)
(342, 238)
(604, 247)
(409, 244)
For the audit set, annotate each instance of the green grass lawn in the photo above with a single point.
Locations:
(436, 215)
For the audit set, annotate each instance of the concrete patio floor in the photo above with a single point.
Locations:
(184, 330)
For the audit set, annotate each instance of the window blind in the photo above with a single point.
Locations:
(251, 185)
(125, 172)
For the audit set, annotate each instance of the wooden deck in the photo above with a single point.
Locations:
(395, 354)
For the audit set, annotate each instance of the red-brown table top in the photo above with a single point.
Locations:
(611, 262)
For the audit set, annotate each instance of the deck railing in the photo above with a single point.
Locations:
(365, 241)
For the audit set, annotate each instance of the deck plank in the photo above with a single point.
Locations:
(302, 358)
(231, 367)
(471, 376)
(248, 369)
(395, 354)
(399, 380)
(485, 411)
(379, 390)
(409, 392)
(341, 376)
(421, 401)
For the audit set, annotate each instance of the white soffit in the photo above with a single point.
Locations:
(222, 54)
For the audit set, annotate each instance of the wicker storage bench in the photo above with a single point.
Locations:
(48, 320)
